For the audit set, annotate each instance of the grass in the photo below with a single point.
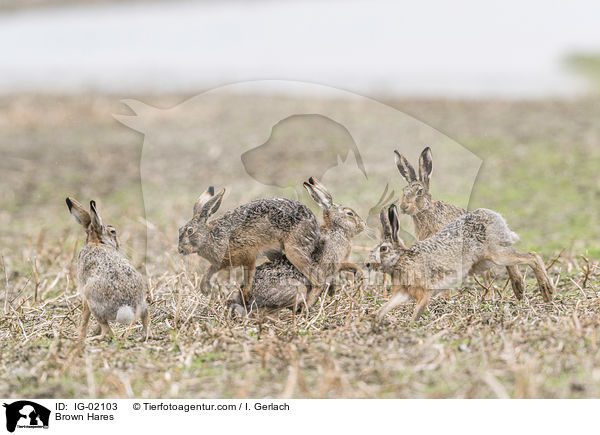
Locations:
(587, 65)
(540, 170)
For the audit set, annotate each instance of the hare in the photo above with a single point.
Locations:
(434, 264)
(430, 216)
(237, 237)
(278, 284)
(110, 287)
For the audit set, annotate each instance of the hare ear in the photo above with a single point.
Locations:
(213, 204)
(312, 193)
(318, 193)
(385, 224)
(395, 226)
(78, 212)
(425, 167)
(96, 219)
(322, 190)
(405, 168)
(203, 199)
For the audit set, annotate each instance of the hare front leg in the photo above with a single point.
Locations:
(422, 297)
(248, 279)
(351, 267)
(345, 267)
(205, 282)
(400, 297)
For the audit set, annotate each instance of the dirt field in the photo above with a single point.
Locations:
(540, 169)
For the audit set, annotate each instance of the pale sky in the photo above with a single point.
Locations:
(459, 48)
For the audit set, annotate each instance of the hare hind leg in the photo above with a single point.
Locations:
(544, 282)
(516, 281)
(300, 257)
(145, 324)
(533, 260)
(85, 319)
(299, 245)
(105, 330)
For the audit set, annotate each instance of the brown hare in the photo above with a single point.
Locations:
(240, 235)
(278, 284)
(430, 215)
(110, 287)
(441, 261)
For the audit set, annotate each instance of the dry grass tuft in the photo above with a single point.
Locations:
(465, 346)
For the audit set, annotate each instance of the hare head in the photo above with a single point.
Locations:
(385, 254)
(91, 222)
(334, 216)
(416, 196)
(194, 233)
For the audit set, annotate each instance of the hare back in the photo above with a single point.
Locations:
(449, 255)
(262, 224)
(280, 213)
(468, 232)
(430, 221)
(108, 282)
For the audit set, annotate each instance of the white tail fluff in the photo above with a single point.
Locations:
(514, 237)
(125, 314)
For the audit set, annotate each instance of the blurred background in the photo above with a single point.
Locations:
(516, 85)
(430, 48)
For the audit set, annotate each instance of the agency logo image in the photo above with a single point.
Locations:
(25, 414)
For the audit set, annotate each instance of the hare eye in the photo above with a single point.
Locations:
(112, 232)
(349, 213)
(190, 231)
(420, 191)
(383, 249)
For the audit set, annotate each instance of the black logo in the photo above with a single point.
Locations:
(26, 414)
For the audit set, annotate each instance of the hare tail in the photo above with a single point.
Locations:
(125, 314)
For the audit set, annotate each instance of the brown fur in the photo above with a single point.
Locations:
(108, 284)
(278, 284)
(240, 235)
(429, 215)
(435, 264)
